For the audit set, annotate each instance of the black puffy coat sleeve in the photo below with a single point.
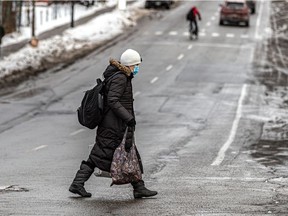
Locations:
(116, 89)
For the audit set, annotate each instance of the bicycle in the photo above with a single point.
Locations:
(193, 32)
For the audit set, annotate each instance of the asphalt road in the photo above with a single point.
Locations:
(196, 107)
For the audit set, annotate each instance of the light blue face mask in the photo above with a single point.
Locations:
(136, 70)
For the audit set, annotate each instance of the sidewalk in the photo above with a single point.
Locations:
(12, 48)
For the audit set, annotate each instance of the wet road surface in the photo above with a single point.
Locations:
(197, 111)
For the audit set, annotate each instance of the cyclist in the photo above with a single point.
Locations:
(192, 17)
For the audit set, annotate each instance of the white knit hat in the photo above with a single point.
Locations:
(130, 57)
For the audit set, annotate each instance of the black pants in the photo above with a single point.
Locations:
(194, 27)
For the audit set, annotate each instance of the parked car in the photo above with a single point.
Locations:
(86, 3)
(252, 5)
(234, 11)
(158, 3)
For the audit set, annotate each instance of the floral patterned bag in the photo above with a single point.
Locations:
(125, 166)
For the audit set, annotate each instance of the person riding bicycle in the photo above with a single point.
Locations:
(192, 17)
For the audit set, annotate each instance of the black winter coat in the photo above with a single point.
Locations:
(118, 103)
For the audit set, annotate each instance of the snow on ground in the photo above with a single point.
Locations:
(101, 28)
(273, 74)
(49, 17)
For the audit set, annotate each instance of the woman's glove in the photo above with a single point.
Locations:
(128, 146)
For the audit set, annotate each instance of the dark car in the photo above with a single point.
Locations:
(252, 5)
(158, 3)
(234, 11)
(86, 3)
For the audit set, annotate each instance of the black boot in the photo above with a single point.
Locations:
(141, 191)
(81, 177)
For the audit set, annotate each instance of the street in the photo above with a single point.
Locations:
(198, 112)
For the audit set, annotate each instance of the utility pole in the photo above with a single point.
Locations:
(33, 19)
(1, 12)
(2, 30)
(72, 14)
(34, 40)
(19, 14)
(2, 33)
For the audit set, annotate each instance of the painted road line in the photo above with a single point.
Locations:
(208, 23)
(230, 35)
(137, 93)
(154, 80)
(189, 47)
(203, 34)
(39, 147)
(158, 33)
(221, 154)
(186, 34)
(257, 36)
(76, 132)
(169, 67)
(173, 33)
(213, 18)
(215, 34)
(222, 45)
(217, 178)
(180, 56)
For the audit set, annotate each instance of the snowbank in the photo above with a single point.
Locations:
(31, 60)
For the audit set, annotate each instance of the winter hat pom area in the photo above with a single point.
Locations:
(130, 57)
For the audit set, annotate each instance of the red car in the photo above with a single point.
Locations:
(234, 11)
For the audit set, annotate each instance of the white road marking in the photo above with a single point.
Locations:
(169, 67)
(208, 23)
(222, 45)
(180, 56)
(230, 35)
(212, 18)
(39, 147)
(137, 93)
(189, 47)
(173, 33)
(215, 178)
(257, 36)
(221, 154)
(215, 34)
(76, 132)
(244, 36)
(203, 34)
(185, 33)
(154, 80)
(259, 118)
(158, 33)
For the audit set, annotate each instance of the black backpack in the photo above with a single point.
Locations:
(91, 111)
(190, 15)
